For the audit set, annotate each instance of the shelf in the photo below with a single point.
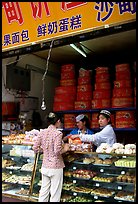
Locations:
(95, 110)
(113, 154)
(96, 129)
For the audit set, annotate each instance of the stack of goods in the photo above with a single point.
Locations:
(26, 180)
(13, 139)
(65, 198)
(27, 167)
(127, 178)
(125, 119)
(7, 163)
(117, 148)
(17, 151)
(22, 191)
(135, 92)
(107, 161)
(68, 157)
(69, 120)
(83, 173)
(134, 76)
(6, 186)
(88, 160)
(124, 196)
(126, 162)
(104, 179)
(80, 199)
(84, 90)
(102, 192)
(102, 92)
(81, 189)
(65, 94)
(77, 145)
(30, 136)
(122, 92)
(5, 176)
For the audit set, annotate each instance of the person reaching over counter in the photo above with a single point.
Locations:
(106, 135)
(51, 143)
(83, 127)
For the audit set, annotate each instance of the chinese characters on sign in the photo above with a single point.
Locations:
(97, 14)
(108, 7)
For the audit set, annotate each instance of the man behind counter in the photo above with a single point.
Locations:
(106, 135)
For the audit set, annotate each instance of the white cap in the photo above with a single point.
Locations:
(79, 117)
(105, 112)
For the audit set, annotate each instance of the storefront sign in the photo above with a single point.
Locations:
(28, 23)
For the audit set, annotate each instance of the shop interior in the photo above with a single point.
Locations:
(105, 47)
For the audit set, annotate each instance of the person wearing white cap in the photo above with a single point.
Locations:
(106, 135)
(83, 126)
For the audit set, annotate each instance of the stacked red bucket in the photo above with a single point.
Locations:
(84, 90)
(134, 83)
(65, 94)
(122, 95)
(102, 93)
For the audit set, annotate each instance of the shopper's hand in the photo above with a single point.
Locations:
(66, 147)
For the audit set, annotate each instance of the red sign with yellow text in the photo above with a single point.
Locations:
(27, 23)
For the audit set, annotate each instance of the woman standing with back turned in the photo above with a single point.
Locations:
(50, 141)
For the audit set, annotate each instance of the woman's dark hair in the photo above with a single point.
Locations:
(52, 118)
(86, 119)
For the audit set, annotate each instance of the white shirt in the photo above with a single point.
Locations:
(106, 135)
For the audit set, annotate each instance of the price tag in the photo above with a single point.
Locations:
(74, 193)
(124, 156)
(123, 172)
(74, 167)
(28, 160)
(12, 159)
(97, 184)
(74, 181)
(95, 197)
(101, 170)
(2, 146)
(10, 172)
(119, 187)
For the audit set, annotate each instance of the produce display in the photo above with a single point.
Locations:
(117, 148)
(23, 191)
(126, 162)
(104, 179)
(19, 179)
(103, 192)
(125, 196)
(27, 167)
